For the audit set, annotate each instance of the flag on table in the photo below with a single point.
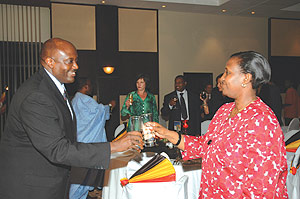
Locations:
(157, 169)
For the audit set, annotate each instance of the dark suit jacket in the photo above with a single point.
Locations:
(38, 144)
(175, 114)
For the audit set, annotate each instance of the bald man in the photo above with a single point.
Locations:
(39, 145)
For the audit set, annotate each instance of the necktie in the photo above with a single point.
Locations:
(183, 107)
(65, 95)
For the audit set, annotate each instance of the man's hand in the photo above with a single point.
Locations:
(173, 101)
(2, 99)
(132, 140)
(113, 103)
(2, 105)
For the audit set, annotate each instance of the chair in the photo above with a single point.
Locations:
(293, 125)
(289, 134)
(204, 126)
(119, 129)
(293, 180)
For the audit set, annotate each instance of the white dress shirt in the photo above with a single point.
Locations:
(185, 96)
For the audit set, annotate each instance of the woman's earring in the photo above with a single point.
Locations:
(244, 85)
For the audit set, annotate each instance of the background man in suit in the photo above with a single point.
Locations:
(39, 141)
(181, 105)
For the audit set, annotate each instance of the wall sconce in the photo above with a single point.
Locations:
(108, 69)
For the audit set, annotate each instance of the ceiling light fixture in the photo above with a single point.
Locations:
(103, 2)
(163, 6)
(224, 10)
(108, 69)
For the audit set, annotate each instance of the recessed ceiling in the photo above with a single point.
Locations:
(262, 8)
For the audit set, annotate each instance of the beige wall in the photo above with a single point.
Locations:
(137, 30)
(285, 37)
(190, 42)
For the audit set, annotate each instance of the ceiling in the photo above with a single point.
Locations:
(262, 8)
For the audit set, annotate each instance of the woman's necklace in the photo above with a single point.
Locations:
(235, 111)
(239, 110)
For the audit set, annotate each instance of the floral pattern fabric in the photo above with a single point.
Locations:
(243, 156)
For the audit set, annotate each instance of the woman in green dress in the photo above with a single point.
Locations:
(140, 101)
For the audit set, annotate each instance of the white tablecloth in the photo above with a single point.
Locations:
(112, 188)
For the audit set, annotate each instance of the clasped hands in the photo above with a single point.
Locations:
(131, 140)
(134, 139)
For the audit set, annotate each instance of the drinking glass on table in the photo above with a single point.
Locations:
(148, 134)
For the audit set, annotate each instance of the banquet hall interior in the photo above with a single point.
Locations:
(161, 38)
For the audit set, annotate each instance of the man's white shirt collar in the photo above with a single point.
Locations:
(184, 91)
(60, 86)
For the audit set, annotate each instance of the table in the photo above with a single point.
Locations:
(112, 188)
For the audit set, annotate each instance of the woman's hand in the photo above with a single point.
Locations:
(204, 100)
(162, 132)
(127, 103)
(158, 129)
(204, 105)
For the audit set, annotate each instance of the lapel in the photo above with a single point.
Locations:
(55, 95)
(176, 112)
(189, 103)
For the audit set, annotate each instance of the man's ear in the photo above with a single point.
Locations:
(50, 62)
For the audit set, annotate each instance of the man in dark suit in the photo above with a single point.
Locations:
(181, 105)
(39, 145)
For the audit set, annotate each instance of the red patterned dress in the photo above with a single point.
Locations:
(243, 156)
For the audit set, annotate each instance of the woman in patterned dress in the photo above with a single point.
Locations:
(143, 101)
(243, 152)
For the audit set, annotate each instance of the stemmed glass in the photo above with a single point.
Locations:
(130, 99)
(175, 100)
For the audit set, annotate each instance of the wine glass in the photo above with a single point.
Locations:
(175, 100)
(203, 95)
(148, 133)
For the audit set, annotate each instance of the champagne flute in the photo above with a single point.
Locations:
(130, 99)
